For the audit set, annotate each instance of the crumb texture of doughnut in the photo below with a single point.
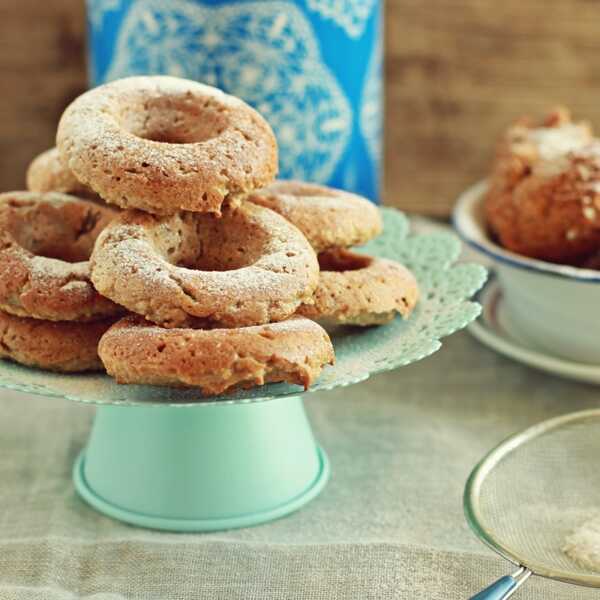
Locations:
(544, 194)
(46, 173)
(45, 242)
(163, 144)
(329, 218)
(249, 266)
(216, 360)
(356, 289)
(64, 346)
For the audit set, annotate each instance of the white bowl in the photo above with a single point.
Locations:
(555, 307)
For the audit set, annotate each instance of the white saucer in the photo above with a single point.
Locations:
(495, 330)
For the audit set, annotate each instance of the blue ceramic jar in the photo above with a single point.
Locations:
(312, 67)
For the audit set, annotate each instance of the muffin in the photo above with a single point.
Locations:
(544, 191)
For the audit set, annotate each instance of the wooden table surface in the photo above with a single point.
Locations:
(457, 71)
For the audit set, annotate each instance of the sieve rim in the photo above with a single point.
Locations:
(485, 466)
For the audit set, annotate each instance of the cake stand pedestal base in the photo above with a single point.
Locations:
(201, 468)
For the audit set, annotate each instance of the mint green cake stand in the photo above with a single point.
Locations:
(171, 459)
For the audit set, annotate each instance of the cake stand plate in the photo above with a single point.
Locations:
(167, 458)
(190, 469)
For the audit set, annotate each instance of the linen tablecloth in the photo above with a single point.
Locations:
(388, 525)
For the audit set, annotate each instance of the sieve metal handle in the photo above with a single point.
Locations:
(505, 587)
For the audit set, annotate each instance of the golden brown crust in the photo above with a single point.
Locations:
(216, 360)
(544, 194)
(64, 346)
(356, 289)
(249, 266)
(46, 173)
(163, 144)
(329, 218)
(45, 241)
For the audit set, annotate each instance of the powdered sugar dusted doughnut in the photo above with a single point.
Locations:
(163, 144)
(45, 243)
(355, 289)
(216, 360)
(329, 218)
(249, 266)
(46, 173)
(64, 346)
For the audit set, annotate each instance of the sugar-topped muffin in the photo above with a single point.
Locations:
(544, 194)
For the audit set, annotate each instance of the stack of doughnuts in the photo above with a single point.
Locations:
(218, 275)
(51, 316)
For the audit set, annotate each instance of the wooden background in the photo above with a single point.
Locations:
(457, 71)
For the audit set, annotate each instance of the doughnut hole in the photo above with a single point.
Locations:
(340, 260)
(174, 119)
(64, 229)
(229, 242)
(207, 243)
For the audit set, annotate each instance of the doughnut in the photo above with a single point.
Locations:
(249, 266)
(356, 289)
(64, 346)
(215, 360)
(329, 218)
(46, 173)
(45, 242)
(543, 199)
(164, 144)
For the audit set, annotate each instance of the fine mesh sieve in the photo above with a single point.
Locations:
(531, 492)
